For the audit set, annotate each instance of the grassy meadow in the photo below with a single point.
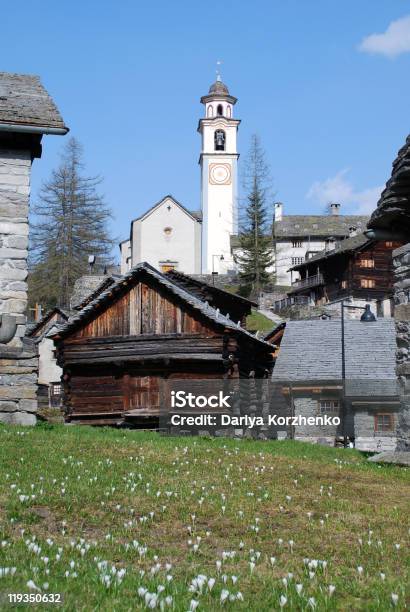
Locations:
(124, 520)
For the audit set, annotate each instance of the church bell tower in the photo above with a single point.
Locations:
(218, 161)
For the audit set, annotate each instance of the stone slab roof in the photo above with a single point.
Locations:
(393, 208)
(299, 226)
(25, 102)
(344, 246)
(312, 351)
(88, 286)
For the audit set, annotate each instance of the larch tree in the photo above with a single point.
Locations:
(255, 223)
(70, 224)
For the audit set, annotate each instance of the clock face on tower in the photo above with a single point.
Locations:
(220, 174)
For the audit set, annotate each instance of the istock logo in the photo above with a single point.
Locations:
(182, 399)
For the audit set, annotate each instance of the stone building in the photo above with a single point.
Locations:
(26, 113)
(308, 374)
(391, 221)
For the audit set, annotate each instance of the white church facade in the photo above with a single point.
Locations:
(168, 235)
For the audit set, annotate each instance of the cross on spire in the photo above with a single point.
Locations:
(218, 72)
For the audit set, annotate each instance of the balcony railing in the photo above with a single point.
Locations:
(310, 281)
(300, 300)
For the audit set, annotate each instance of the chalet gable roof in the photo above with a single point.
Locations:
(186, 281)
(311, 350)
(25, 105)
(349, 245)
(33, 329)
(145, 271)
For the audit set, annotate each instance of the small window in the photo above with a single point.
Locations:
(344, 284)
(167, 267)
(219, 140)
(367, 283)
(228, 111)
(167, 231)
(210, 111)
(297, 244)
(389, 244)
(383, 422)
(367, 263)
(297, 260)
(329, 406)
(220, 110)
(56, 389)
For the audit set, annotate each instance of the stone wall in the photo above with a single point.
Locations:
(18, 356)
(401, 261)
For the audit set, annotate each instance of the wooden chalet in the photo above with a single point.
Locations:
(356, 268)
(142, 329)
(237, 306)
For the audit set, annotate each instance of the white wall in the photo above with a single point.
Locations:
(48, 371)
(126, 259)
(151, 243)
(283, 257)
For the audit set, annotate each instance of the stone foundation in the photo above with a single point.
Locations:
(401, 260)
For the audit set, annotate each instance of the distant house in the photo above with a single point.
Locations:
(143, 329)
(357, 269)
(231, 304)
(49, 391)
(308, 374)
(299, 237)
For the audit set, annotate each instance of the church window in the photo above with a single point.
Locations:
(228, 111)
(219, 140)
(210, 111)
(297, 260)
(296, 244)
(167, 231)
(220, 110)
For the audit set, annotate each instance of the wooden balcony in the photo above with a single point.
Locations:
(307, 283)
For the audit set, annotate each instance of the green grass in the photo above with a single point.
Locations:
(77, 502)
(258, 322)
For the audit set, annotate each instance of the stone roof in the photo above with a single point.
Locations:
(108, 295)
(298, 226)
(25, 102)
(344, 246)
(393, 207)
(86, 286)
(219, 88)
(33, 328)
(312, 351)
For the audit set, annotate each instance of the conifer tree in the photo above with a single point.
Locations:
(70, 223)
(255, 232)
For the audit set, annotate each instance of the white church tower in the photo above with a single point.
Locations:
(218, 161)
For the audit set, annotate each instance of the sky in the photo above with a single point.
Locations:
(324, 84)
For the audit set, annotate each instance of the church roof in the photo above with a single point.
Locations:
(25, 104)
(219, 88)
(197, 215)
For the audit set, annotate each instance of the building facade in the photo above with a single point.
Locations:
(358, 270)
(299, 237)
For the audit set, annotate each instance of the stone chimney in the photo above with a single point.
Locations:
(352, 231)
(278, 211)
(334, 208)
